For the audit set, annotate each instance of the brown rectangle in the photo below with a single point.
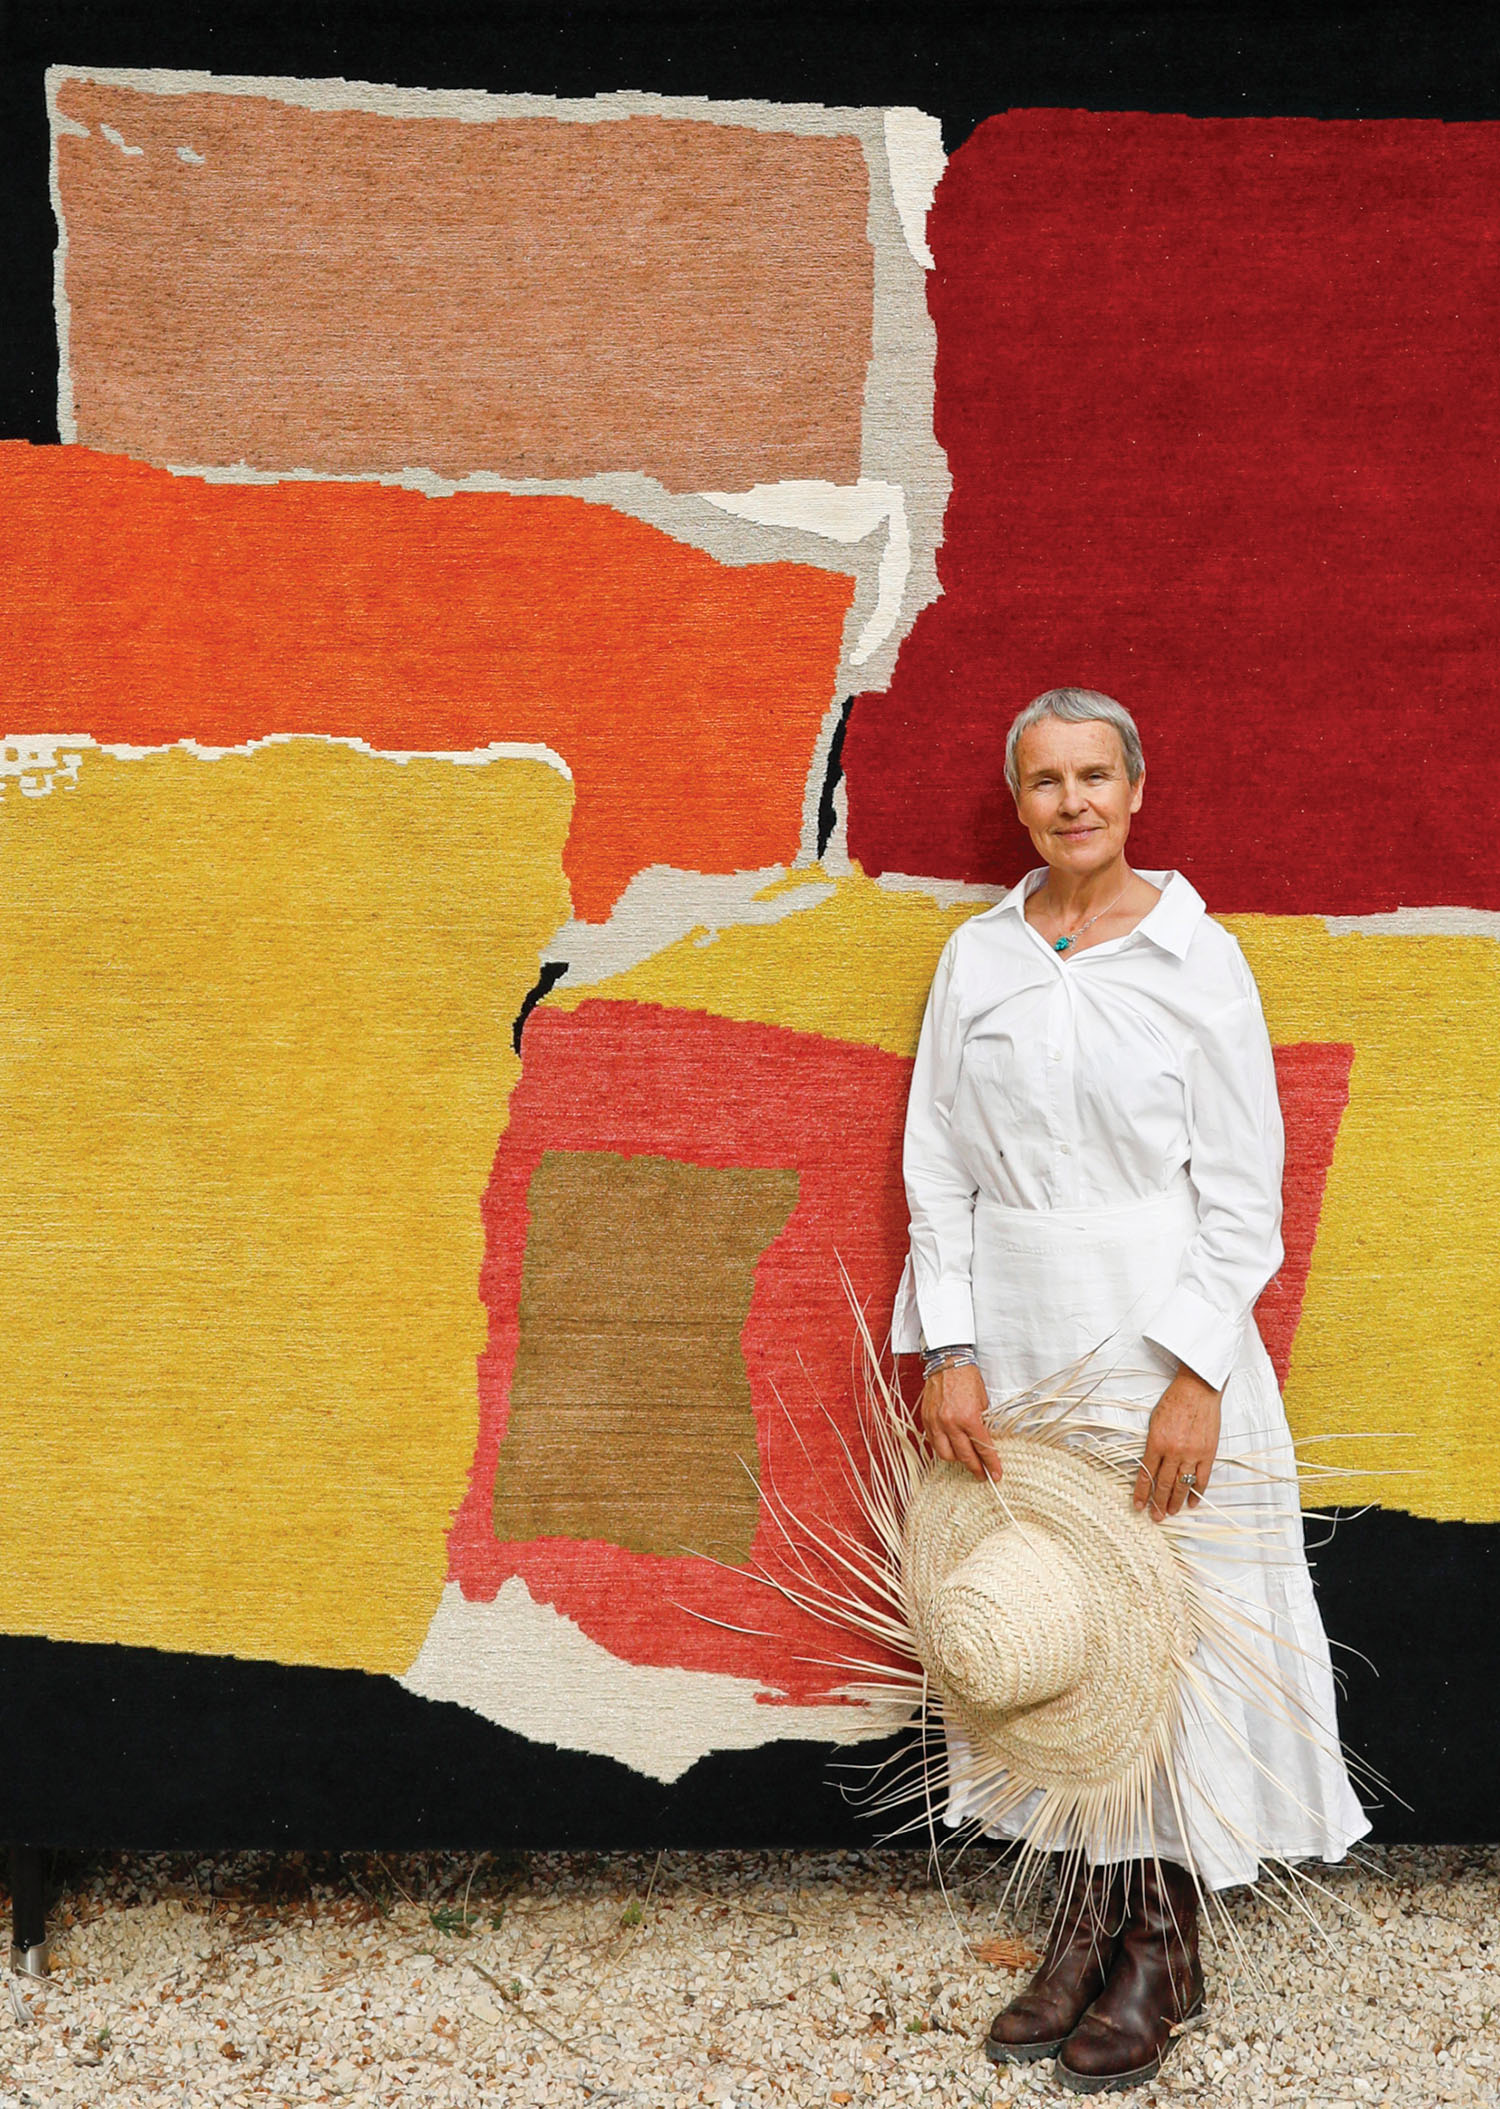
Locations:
(631, 1418)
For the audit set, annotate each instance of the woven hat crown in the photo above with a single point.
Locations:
(1009, 1625)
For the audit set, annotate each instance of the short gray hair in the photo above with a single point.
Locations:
(1075, 706)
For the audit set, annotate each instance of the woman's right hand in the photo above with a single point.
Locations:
(953, 1405)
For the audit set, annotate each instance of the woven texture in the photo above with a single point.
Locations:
(1053, 1616)
(500, 710)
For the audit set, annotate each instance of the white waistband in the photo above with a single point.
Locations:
(1178, 1199)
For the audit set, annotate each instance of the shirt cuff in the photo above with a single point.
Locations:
(947, 1312)
(942, 1314)
(906, 1319)
(1203, 1339)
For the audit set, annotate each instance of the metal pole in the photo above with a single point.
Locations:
(28, 1909)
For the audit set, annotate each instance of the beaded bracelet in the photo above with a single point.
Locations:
(936, 1359)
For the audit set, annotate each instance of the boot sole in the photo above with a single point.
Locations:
(1119, 2082)
(1021, 2053)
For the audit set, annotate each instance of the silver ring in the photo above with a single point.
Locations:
(1189, 1479)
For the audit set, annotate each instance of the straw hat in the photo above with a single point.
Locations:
(1059, 1642)
(1052, 1615)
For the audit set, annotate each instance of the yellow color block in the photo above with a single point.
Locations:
(1400, 1326)
(1400, 1330)
(256, 1046)
(856, 967)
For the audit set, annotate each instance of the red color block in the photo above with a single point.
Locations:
(633, 1078)
(1222, 407)
(1312, 1079)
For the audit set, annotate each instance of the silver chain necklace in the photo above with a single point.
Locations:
(1061, 944)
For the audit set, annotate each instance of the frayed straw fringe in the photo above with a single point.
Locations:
(854, 1583)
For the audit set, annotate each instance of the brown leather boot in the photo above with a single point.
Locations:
(1155, 1984)
(1080, 1948)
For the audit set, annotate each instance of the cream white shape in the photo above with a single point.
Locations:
(116, 139)
(662, 905)
(186, 153)
(530, 1669)
(469, 105)
(948, 893)
(21, 753)
(38, 766)
(839, 512)
(1418, 922)
(62, 128)
(914, 150)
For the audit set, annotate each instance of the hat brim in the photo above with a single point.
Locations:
(1141, 1629)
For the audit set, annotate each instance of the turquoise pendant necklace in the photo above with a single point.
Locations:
(1061, 944)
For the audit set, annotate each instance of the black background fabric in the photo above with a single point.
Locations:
(132, 1747)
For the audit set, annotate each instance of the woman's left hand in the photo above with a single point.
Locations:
(1183, 1437)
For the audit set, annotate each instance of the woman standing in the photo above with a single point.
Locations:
(1093, 1168)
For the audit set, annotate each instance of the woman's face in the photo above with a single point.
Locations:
(1075, 800)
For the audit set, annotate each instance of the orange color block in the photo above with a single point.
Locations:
(684, 694)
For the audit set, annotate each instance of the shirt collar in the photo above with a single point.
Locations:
(1170, 924)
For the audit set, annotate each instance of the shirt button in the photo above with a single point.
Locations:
(1053, 1055)
(1066, 1150)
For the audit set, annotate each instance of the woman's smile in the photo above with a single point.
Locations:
(1075, 798)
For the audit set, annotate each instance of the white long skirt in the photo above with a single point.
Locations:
(1259, 1777)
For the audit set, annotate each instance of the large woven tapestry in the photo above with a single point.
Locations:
(505, 665)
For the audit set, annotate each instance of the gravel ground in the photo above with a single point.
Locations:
(715, 1978)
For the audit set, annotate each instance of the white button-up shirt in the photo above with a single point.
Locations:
(1049, 1082)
